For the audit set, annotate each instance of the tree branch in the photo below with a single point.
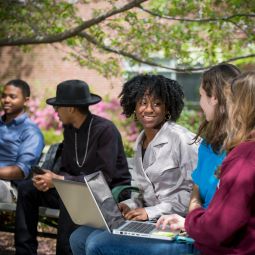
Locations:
(151, 63)
(98, 44)
(71, 32)
(239, 27)
(126, 54)
(238, 58)
(227, 18)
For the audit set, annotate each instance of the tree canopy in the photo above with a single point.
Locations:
(98, 33)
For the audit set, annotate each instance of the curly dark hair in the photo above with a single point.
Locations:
(167, 90)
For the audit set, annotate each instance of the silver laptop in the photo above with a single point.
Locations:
(92, 204)
(79, 204)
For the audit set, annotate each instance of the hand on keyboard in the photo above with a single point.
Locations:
(137, 214)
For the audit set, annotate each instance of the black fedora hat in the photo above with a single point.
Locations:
(73, 93)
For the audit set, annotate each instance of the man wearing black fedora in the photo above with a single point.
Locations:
(91, 143)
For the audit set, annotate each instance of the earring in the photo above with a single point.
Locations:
(135, 118)
(168, 116)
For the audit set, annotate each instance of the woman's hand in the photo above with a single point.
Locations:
(134, 214)
(175, 222)
(137, 214)
(123, 208)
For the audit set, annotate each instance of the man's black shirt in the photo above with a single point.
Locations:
(105, 152)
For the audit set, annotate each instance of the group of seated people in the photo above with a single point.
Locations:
(202, 184)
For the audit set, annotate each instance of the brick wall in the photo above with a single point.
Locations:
(43, 67)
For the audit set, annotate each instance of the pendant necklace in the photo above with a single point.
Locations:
(86, 150)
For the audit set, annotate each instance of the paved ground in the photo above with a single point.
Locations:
(47, 246)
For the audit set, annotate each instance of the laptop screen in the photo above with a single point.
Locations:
(104, 199)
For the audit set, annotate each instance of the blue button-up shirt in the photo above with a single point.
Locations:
(21, 143)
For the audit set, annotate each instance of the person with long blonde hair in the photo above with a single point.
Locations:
(242, 114)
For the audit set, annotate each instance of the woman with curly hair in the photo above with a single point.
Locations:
(164, 153)
(164, 157)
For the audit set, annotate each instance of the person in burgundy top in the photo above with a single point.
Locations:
(227, 226)
(91, 143)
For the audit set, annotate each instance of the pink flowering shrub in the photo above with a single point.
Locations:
(46, 118)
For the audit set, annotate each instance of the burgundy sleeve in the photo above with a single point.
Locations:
(229, 210)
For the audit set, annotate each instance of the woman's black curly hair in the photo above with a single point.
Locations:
(169, 91)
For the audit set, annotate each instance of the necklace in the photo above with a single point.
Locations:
(76, 147)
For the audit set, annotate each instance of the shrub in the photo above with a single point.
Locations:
(45, 117)
(47, 120)
(51, 136)
(190, 119)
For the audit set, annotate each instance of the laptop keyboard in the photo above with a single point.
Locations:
(138, 227)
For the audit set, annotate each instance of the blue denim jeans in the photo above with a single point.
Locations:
(90, 241)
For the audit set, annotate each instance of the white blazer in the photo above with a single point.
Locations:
(164, 174)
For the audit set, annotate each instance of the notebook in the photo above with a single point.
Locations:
(92, 204)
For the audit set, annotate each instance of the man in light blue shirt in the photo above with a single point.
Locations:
(21, 141)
